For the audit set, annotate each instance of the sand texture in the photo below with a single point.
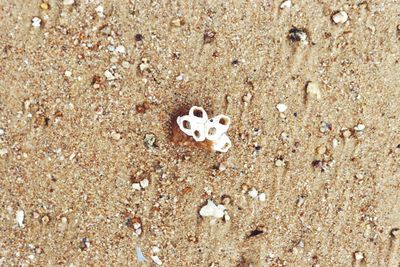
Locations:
(90, 173)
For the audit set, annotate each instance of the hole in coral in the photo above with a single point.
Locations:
(197, 134)
(198, 113)
(186, 125)
(226, 146)
(212, 131)
(223, 121)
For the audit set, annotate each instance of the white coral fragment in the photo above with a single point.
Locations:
(212, 210)
(198, 126)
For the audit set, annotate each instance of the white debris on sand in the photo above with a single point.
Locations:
(286, 4)
(156, 260)
(212, 210)
(313, 91)
(20, 218)
(139, 255)
(281, 107)
(68, 2)
(340, 17)
(36, 22)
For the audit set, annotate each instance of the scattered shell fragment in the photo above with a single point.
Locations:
(156, 260)
(279, 163)
(253, 193)
(68, 2)
(359, 127)
(359, 256)
(313, 91)
(36, 22)
(212, 210)
(281, 107)
(262, 197)
(340, 17)
(120, 49)
(20, 218)
(286, 4)
(3, 151)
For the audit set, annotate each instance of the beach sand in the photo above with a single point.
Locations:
(88, 90)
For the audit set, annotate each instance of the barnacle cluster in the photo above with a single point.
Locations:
(197, 125)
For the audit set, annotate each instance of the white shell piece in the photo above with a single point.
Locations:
(212, 210)
(222, 144)
(193, 112)
(181, 120)
(215, 129)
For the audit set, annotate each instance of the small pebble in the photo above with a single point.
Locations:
(144, 183)
(340, 17)
(286, 4)
(346, 133)
(279, 163)
(20, 218)
(136, 186)
(44, 6)
(1, 132)
(68, 73)
(156, 260)
(359, 256)
(247, 98)
(36, 22)
(68, 2)
(262, 197)
(321, 150)
(313, 91)
(359, 127)
(253, 193)
(109, 75)
(281, 107)
(177, 22)
(100, 11)
(3, 151)
(115, 136)
(125, 64)
(120, 49)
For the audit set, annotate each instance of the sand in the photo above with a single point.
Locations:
(87, 93)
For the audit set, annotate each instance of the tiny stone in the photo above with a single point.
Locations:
(20, 218)
(120, 49)
(136, 186)
(155, 249)
(313, 91)
(36, 22)
(100, 11)
(144, 183)
(359, 256)
(177, 22)
(111, 48)
(126, 64)
(68, 73)
(68, 2)
(281, 107)
(136, 225)
(262, 197)
(279, 163)
(321, 150)
(150, 140)
(3, 151)
(1, 132)
(286, 4)
(222, 167)
(247, 98)
(359, 127)
(300, 201)
(44, 6)
(335, 143)
(346, 133)
(115, 136)
(359, 176)
(340, 17)
(109, 75)
(253, 193)
(156, 260)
